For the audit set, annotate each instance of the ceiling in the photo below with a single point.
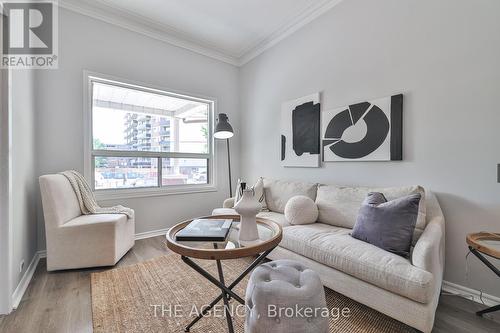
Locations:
(234, 31)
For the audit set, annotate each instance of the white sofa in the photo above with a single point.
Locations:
(405, 289)
(75, 240)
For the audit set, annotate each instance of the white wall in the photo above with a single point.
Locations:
(443, 55)
(24, 185)
(90, 44)
(5, 227)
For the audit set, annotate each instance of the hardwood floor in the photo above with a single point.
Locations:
(60, 301)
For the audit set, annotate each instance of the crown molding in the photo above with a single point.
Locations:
(98, 9)
(143, 26)
(298, 22)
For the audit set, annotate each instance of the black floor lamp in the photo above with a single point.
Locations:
(224, 130)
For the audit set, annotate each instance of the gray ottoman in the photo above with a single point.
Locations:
(284, 296)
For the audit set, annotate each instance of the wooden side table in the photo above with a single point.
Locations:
(485, 243)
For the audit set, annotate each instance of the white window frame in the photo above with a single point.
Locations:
(89, 152)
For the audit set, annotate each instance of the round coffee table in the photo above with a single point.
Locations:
(270, 234)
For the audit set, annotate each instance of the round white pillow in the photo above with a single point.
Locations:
(301, 210)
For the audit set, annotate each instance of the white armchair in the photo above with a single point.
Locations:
(75, 240)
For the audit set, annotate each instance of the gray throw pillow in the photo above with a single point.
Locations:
(388, 225)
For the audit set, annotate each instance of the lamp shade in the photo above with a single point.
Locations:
(223, 130)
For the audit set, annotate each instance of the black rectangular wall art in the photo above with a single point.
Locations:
(365, 131)
(301, 132)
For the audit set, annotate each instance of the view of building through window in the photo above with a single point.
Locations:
(144, 138)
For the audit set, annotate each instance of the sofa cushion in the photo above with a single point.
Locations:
(388, 225)
(278, 192)
(93, 219)
(258, 192)
(339, 206)
(276, 217)
(301, 210)
(334, 247)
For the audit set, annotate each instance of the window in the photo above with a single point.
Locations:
(144, 138)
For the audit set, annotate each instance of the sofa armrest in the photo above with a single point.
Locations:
(228, 203)
(428, 253)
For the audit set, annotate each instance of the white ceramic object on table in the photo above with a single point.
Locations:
(248, 207)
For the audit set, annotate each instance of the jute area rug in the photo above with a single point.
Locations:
(163, 295)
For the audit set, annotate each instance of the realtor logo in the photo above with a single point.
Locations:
(29, 34)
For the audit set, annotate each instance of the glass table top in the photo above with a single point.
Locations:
(232, 242)
(490, 243)
(270, 235)
(485, 242)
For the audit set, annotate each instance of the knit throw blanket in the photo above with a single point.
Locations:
(86, 198)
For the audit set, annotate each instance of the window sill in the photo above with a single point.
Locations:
(103, 195)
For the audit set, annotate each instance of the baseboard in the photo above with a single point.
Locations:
(149, 234)
(18, 294)
(472, 294)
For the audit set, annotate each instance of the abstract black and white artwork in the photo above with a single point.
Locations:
(300, 132)
(366, 131)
